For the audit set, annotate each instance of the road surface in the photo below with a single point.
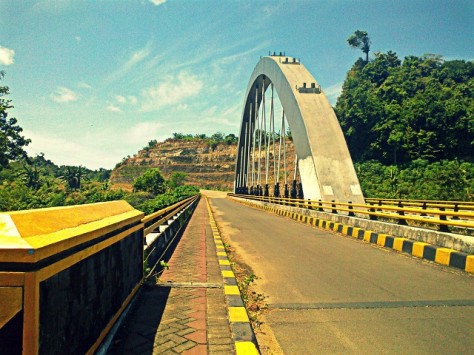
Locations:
(333, 294)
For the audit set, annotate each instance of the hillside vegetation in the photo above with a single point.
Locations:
(409, 126)
(38, 183)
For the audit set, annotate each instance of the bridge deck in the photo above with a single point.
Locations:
(332, 294)
(186, 312)
(325, 293)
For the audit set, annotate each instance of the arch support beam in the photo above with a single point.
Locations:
(325, 165)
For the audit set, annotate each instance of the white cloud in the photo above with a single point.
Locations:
(224, 122)
(270, 10)
(138, 56)
(84, 85)
(210, 111)
(144, 131)
(119, 103)
(157, 2)
(173, 90)
(6, 56)
(120, 99)
(113, 108)
(77, 38)
(132, 99)
(64, 151)
(229, 116)
(135, 58)
(232, 58)
(63, 94)
(333, 92)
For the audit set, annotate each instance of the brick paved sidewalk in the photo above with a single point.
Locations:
(186, 313)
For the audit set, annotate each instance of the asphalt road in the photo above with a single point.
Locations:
(329, 294)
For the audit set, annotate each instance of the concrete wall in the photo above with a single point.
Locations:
(77, 303)
(66, 274)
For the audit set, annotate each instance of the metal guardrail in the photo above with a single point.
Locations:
(424, 204)
(156, 219)
(441, 214)
(157, 249)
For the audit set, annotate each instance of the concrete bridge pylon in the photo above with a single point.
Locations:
(324, 161)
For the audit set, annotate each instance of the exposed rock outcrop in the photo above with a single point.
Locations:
(206, 165)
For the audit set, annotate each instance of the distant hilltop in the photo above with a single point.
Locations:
(207, 163)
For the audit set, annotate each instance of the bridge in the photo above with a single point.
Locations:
(282, 265)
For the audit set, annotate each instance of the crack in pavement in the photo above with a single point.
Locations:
(191, 284)
(372, 305)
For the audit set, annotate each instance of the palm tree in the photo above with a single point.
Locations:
(31, 177)
(73, 176)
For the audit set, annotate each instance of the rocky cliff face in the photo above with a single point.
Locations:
(206, 166)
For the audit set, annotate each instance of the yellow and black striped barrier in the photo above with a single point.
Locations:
(242, 332)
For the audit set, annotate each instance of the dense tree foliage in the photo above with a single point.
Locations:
(177, 179)
(443, 180)
(11, 140)
(150, 203)
(38, 183)
(396, 112)
(151, 181)
(216, 138)
(409, 126)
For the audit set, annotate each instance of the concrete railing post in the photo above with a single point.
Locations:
(320, 204)
(442, 217)
(372, 215)
(351, 208)
(455, 209)
(401, 221)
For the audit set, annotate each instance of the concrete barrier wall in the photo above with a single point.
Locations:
(66, 274)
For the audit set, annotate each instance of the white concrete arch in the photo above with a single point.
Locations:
(325, 165)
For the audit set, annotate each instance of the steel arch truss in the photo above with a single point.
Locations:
(324, 163)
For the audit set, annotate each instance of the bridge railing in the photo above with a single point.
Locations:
(161, 229)
(67, 274)
(423, 204)
(154, 220)
(439, 214)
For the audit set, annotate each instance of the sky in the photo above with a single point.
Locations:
(95, 81)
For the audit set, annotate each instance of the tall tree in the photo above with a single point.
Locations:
(11, 140)
(360, 39)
